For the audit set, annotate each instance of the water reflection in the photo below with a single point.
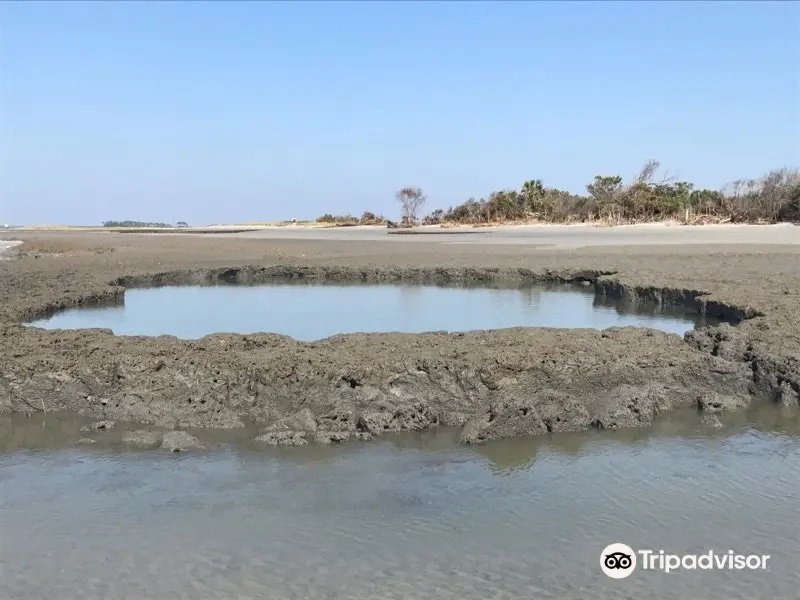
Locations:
(507, 456)
(410, 298)
(650, 309)
(533, 294)
(63, 430)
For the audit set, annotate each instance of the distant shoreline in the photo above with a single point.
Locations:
(416, 230)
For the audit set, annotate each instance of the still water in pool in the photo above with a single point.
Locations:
(310, 312)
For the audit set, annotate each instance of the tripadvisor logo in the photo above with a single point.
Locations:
(618, 561)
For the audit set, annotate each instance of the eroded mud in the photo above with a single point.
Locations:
(493, 384)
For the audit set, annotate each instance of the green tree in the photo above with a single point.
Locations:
(606, 190)
(532, 196)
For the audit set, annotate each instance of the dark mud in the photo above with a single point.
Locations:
(494, 384)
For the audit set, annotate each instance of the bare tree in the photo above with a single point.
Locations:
(411, 199)
(648, 170)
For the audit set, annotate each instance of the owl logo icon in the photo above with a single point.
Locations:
(618, 561)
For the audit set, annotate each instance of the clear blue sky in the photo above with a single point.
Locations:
(224, 112)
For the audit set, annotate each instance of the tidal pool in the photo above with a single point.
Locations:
(310, 312)
(407, 516)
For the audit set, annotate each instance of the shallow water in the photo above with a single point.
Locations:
(6, 246)
(310, 312)
(409, 516)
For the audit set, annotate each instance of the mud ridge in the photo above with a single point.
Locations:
(697, 299)
(430, 276)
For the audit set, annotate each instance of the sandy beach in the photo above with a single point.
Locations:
(551, 236)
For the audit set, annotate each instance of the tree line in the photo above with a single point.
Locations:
(142, 224)
(772, 198)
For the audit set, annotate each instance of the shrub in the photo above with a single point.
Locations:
(338, 219)
(370, 218)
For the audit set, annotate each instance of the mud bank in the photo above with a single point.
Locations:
(493, 384)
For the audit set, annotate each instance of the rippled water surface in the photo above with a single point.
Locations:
(310, 312)
(409, 516)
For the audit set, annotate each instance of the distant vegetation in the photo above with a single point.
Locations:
(367, 218)
(609, 200)
(648, 198)
(133, 224)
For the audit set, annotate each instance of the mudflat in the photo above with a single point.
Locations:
(492, 384)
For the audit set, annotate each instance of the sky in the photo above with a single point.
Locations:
(225, 112)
